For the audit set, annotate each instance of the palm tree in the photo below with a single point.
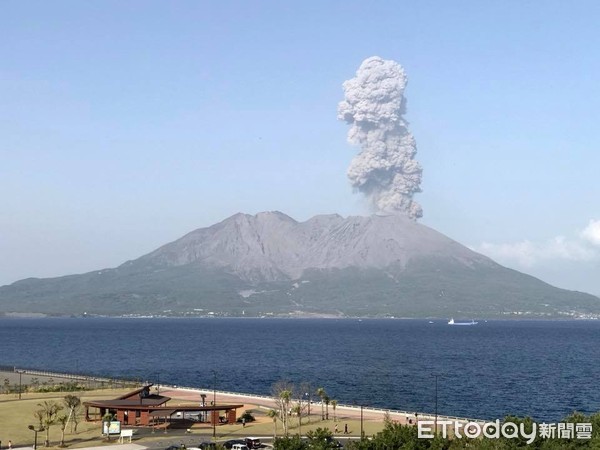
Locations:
(62, 419)
(39, 415)
(107, 418)
(297, 409)
(334, 405)
(48, 415)
(327, 400)
(273, 415)
(321, 393)
(285, 397)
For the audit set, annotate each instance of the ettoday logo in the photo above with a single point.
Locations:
(508, 430)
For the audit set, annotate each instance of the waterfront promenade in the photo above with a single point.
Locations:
(354, 418)
(193, 394)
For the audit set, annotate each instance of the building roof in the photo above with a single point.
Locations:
(137, 400)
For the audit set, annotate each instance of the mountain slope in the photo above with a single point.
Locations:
(271, 264)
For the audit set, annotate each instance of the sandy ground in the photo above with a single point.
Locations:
(256, 402)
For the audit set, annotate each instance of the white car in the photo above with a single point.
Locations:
(239, 447)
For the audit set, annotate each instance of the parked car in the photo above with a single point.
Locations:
(232, 442)
(239, 447)
(207, 446)
(253, 442)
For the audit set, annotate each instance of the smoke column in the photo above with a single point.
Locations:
(385, 170)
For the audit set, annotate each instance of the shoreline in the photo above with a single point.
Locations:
(349, 411)
(187, 393)
(505, 318)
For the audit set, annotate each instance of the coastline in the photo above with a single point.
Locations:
(249, 400)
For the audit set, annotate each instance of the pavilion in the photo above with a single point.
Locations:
(141, 408)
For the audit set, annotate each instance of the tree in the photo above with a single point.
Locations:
(290, 443)
(285, 398)
(273, 415)
(321, 394)
(297, 410)
(334, 404)
(48, 416)
(73, 404)
(108, 417)
(321, 439)
(62, 420)
(303, 395)
(282, 394)
(327, 400)
(39, 415)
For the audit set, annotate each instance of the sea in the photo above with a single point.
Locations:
(542, 369)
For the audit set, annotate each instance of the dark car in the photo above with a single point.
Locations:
(334, 443)
(229, 444)
(253, 442)
(207, 445)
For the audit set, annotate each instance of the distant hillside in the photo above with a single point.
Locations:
(270, 264)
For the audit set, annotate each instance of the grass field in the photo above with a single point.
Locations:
(16, 415)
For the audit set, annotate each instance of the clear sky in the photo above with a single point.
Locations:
(126, 124)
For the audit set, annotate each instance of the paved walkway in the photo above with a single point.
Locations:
(103, 447)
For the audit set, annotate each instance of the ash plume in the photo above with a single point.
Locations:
(385, 169)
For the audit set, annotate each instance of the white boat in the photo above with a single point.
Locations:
(452, 322)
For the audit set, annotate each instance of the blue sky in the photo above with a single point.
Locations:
(126, 124)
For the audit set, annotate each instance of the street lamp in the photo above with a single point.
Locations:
(21, 372)
(361, 417)
(307, 396)
(436, 376)
(32, 428)
(214, 404)
(362, 435)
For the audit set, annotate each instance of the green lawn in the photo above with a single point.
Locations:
(16, 415)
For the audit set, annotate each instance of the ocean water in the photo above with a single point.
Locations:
(543, 369)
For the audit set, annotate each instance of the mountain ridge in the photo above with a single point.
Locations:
(271, 264)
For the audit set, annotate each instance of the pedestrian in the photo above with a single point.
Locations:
(243, 422)
(335, 429)
(345, 428)
(9, 445)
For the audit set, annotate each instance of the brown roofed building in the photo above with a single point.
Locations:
(141, 408)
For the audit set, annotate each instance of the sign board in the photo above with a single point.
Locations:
(112, 427)
(126, 434)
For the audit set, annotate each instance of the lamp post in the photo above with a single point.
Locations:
(361, 422)
(307, 396)
(214, 421)
(32, 428)
(355, 403)
(436, 404)
(157, 383)
(436, 376)
(20, 374)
